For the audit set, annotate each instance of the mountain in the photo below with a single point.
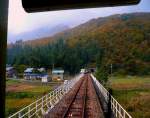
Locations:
(41, 32)
(97, 26)
(124, 39)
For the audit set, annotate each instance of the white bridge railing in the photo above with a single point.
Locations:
(116, 108)
(43, 105)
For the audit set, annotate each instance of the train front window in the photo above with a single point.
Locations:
(46, 49)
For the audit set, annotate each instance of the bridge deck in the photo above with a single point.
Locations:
(80, 102)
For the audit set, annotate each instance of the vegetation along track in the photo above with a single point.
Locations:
(80, 102)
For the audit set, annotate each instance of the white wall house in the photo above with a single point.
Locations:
(27, 72)
(82, 70)
(31, 75)
(45, 79)
(57, 74)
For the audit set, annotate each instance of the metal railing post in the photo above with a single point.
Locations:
(36, 106)
(19, 115)
(42, 102)
(116, 109)
(120, 111)
(29, 112)
(124, 115)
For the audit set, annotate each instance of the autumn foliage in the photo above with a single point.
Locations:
(124, 38)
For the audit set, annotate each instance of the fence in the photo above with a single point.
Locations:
(46, 103)
(116, 108)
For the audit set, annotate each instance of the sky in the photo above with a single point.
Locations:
(21, 24)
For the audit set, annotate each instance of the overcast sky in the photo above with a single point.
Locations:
(19, 21)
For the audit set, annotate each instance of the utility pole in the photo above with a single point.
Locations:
(111, 69)
(53, 66)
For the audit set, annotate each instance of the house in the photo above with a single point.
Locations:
(82, 70)
(11, 72)
(28, 72)
(32, 73)
(57, 74)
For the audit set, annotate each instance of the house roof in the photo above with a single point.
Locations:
(8, 65)
(41, 69)
(9, 68)
(28, 70)
(57, 71)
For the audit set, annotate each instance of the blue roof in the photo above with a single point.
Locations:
(28, 70)
(9, 68)
(57, 71)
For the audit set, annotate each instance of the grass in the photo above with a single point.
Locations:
(20, 94)
(15, 104)
(10, 82)
(133, 93)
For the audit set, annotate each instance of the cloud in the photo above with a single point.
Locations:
(17, 17)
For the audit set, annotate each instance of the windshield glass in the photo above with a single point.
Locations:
(113, 43)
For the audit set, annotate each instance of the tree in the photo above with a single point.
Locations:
(101, 73)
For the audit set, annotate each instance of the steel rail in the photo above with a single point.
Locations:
(71, 102)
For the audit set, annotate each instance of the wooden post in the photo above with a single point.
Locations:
(3, 46)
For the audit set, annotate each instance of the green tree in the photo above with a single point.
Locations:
(101, 73)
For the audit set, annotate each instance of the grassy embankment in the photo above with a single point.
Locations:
(20, 94)
(133, 93)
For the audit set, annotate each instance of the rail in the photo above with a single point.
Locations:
(69, 110)
(46, 103)
(116, 108)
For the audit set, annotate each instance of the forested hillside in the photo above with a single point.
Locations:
(122, 40)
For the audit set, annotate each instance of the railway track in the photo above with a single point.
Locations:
(80, 102)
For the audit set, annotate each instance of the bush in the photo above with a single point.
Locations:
(10, 111)
(130, 109)
(120, 72)
(20, 68)
(20, 95)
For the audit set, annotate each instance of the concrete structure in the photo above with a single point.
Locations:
(57, 74)
(46, 79)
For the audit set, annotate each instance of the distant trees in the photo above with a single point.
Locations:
(58, 53)
(20, 68)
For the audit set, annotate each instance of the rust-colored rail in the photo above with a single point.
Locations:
(77, 106)
(93, 107)
(80, 102)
